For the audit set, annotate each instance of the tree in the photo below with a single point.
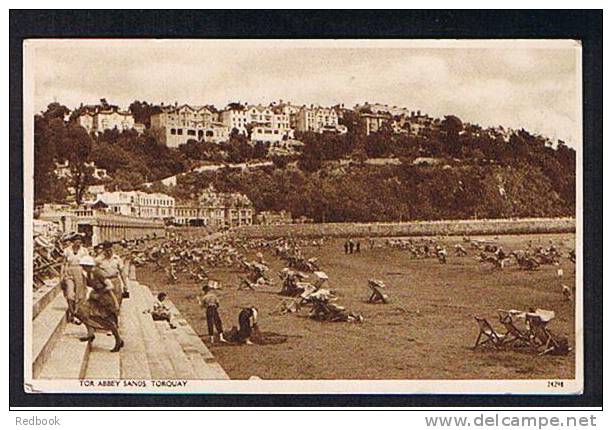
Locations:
(142, 112)
(49, 132)
(55, 111)
(311, 159)
(279, 162)
(450, 127)
(260, 151)
(79, 145)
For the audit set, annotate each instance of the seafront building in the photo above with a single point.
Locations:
(139, 204)
(273, 217)
(216, 209)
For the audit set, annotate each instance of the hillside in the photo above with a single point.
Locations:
(392, 193)
(468, 171)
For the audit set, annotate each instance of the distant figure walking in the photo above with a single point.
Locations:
(351, 246)
(346, 247)
(358, 247)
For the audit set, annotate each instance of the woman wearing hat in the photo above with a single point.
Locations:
(112, 266)
(101, 309)
(72, 274)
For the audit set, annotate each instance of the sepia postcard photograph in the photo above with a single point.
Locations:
(306, 216)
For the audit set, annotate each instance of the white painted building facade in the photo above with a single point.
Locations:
(177, 125)
(319, 120)
(101, 120)
(139, 204)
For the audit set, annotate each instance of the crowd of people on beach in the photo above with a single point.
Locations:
(95, 281)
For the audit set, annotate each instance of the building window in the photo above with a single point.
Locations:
(180, 131)
(173, 131)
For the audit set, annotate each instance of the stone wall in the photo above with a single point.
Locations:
(416, 228)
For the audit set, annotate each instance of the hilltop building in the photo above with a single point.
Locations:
(175, 125)
(319, 120)
(62, 171)
(379, 108)
(96, 119)
(373, 122)
(266, 124)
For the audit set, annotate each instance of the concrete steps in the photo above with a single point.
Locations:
(133, 356)
(190, 358)
(67, 351)
(102, 363)
(152, 349)
(47, 328)
(44, 295)
(203, 362)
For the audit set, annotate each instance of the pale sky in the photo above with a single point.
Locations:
(529, 84)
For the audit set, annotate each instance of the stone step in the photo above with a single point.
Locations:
(152, 349)
(69, 357)
(47, 328)
(203, 362)
(43, 296)
(157, 358)
(134, 362)
(178, 358)
(159, 362)
(102, 363)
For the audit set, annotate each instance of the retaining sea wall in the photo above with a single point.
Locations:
(414, 228)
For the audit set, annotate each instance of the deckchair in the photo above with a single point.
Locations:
(377, 295)
(490, 335)
(513, 335)
(542, 340)
(246, 284)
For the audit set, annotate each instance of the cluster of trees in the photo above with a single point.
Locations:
(129, 158)
(142, 112)
(236, 150)
(392, 193)
(54, 140)
(450, 143)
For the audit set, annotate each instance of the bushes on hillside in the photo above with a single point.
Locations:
(393, 193)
